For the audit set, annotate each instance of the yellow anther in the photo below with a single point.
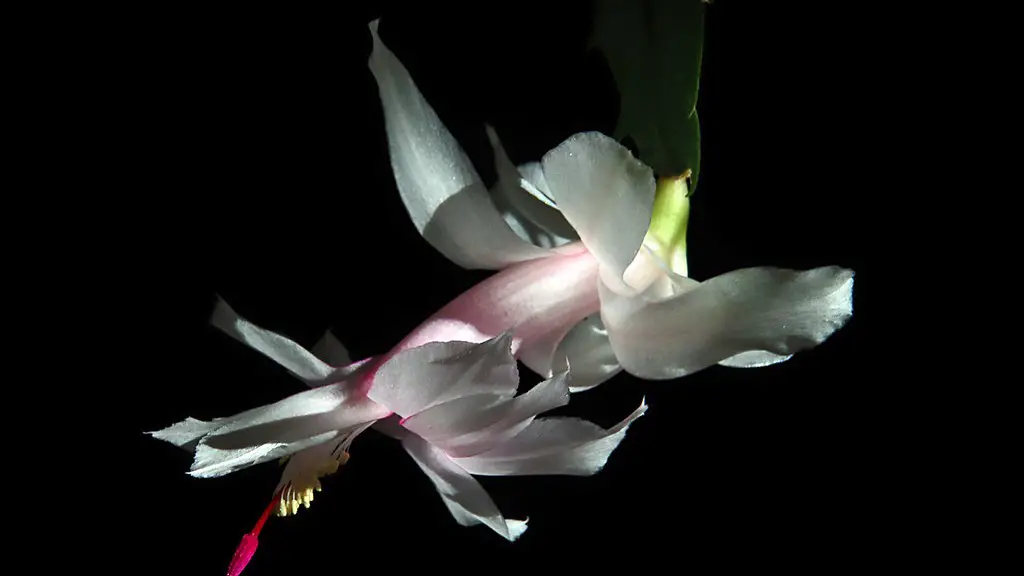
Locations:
(301, 488)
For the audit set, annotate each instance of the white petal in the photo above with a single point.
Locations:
(464, 428)
(456, 417)
(416, 379)
(770, 310)
(565, 446)
(588, 352)
(528, 213)
(754, 359)
(289, 354)
(187, 433)
(441, 190)
(585, 349)
(292, 424)
(465, 498)
(648, 271)
(606, 194)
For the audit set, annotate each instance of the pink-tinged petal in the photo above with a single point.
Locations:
(416, 379)
(464, 430)
(465, 498)
(533, 300)
(606, 194)
(444, 195)
(279, 429)
(526, 210)
(585, 349)
(302, 363)
(558, 446)
(770, 310)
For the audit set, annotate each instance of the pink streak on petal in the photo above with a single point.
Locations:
(246, 548)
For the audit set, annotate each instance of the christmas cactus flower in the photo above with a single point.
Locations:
(590, 203)
(448, 392)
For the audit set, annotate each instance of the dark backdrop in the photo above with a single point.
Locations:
(256, 140)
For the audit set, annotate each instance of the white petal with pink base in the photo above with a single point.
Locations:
(592, 188)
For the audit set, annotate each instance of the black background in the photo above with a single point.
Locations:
(257, 144)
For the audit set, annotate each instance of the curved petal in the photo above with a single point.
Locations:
(606, 194)
(465, 498)
(279, 429)
(416, 379)
(526, 210)
(588, 352)
(441, 190)
(565, 446)
(771, 310)
(456, 417)
(461, 428)
(585, 349)
(302, 363)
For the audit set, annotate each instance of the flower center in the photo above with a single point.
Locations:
(303, 483)
(301, 477)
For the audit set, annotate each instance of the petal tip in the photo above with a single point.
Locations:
(184, 434)
(492, 135)
(516, 528)
(843, 291)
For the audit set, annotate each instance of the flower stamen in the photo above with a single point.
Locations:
(301, 478)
